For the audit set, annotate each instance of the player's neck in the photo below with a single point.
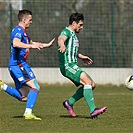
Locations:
(71, 28)
(20, 24)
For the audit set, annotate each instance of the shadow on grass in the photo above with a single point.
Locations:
(63, 116)
(18, 116)
(78, 116)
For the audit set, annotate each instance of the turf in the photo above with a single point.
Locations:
(55, 119)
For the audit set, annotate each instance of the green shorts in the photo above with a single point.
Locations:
(72, 71)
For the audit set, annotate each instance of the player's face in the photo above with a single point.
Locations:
(78, 26)
(28, 21)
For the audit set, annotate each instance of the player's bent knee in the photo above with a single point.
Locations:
(36, 85)
(93, 86)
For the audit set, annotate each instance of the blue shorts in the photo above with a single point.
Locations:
(21, 74)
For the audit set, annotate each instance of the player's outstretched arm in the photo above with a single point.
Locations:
(18, 44)
(42, 45)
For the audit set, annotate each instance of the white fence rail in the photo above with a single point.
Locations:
(115, 76)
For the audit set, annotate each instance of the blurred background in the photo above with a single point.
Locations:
(106, 37)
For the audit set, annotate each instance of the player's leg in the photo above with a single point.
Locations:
(32, 97)
(87, 90)
(24, 90)
(77, 96)
(33, 92)
(10, 90)
(88, 95)
(70, 102)
(72, 72)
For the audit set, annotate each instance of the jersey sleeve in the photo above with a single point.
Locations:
(65, 33)
(18, 33)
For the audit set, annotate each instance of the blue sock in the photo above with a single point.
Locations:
(13, 92)
(32, 96)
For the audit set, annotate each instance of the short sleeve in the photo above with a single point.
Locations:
(18, 33)
(65, 33)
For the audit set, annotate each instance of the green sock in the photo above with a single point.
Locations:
(88, 95)
(78, 95)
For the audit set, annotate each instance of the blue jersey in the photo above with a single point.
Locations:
(19, 55)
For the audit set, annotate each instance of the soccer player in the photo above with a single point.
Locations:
(68, 52)
(20, 71)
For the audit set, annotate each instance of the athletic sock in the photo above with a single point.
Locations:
(12, 91)
(78, 95)
(32, 96)
(88, 95)
(28, 111)
(3, 87)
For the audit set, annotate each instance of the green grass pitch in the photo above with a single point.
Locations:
(55, 119)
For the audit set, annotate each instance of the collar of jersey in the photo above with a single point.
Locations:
(70, 30)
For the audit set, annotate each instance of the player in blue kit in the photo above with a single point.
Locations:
(27, 87)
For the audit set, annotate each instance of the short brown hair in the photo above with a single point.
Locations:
(76, 17)
(23, 13)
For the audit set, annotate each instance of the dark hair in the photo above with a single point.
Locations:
(76, 17)
(23, 13)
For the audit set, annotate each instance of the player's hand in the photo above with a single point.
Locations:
(37, 45)
(87, 60)
(62, 48)
(48, 44)
(51, 42)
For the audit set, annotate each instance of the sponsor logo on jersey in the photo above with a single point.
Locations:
(18, 35)
(76, 42)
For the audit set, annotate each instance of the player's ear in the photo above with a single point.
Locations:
(73, 23)
(23, 20)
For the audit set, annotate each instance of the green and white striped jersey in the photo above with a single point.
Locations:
(72, 45)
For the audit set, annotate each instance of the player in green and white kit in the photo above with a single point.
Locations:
(68, 53)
